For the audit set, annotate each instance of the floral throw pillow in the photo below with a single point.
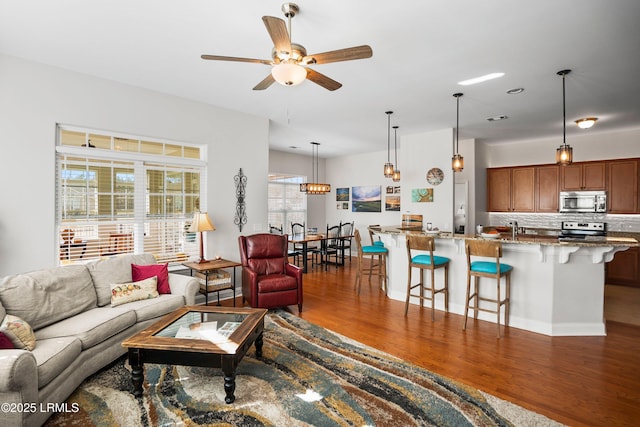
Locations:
(122, 293)
(19, 332)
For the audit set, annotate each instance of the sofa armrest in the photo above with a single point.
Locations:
(184, 285)
(18, 376)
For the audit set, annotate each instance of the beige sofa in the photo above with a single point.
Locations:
(77, 330)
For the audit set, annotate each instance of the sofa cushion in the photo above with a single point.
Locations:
(19, 332)
(92, 326)
(5, 342)
(151, 308)
(53, 356)
(161, 271)
(46, 296)
(123, 293)
(107, 271)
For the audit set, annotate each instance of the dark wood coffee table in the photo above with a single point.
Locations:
(207, 336)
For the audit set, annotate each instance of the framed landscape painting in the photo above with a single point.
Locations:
(392, 203)
(366, 198)
(342, 194)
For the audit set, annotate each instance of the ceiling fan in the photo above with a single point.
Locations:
(290, 60)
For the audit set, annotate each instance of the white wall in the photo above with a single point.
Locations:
(298, 164)
(416, 155)
(35, 97)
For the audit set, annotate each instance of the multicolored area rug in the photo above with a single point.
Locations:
(308, 376)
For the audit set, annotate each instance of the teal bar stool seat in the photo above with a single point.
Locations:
(431, 262)
(488, 269)
(375, 253)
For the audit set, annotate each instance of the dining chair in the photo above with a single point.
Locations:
(493, 269)
(330, 246)
(346, 234)
(426, 261)
(299, 230)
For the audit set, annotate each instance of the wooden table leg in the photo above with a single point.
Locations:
(259, 345)
(229, 386)
(137, 372)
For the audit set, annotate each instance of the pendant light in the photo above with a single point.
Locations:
(457, 161)
(564, 153)
(396, 171)
(315, 187)
(388, 167)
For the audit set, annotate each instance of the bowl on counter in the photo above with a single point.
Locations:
(431, 232)
(490, 235)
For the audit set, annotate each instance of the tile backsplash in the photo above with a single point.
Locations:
(623, 223)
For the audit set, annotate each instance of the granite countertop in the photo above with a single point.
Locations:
(612, 238)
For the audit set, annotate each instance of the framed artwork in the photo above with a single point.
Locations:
(422, 195)
(342, 205)
(366, 198)
(342, 194)
(392, 203)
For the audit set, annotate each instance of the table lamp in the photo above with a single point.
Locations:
(201, 222)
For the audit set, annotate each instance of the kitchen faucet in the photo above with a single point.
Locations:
(514, 229)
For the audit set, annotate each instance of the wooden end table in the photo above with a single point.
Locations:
(208, 336)
(207, 269)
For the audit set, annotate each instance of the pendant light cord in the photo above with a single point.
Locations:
(395, 143)
(389, 135)
(564, 114)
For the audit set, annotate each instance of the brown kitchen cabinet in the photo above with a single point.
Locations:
(511, 189)
(583, 176)
(624, 269)
(622, 186)
(547, 188)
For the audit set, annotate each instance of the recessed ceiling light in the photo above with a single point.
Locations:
(480, 79)
(515, 91)
(586, 123)
(293, 147)
(496, 118)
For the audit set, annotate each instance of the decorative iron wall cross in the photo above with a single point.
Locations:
(240, 218)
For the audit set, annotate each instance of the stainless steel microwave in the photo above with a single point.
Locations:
(583, 201)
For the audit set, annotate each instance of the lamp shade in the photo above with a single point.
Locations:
(201, 222)
(288, 74)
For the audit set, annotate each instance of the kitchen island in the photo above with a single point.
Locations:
(557, 288)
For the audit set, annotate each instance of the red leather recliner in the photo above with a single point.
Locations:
(268, 280)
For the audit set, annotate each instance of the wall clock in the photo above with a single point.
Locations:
(435, 176)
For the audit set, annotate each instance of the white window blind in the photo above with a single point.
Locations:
(117, 195)
(286, 203)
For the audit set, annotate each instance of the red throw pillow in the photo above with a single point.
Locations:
(141, 272)
(5, 342)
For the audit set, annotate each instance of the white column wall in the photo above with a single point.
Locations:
(416, 155)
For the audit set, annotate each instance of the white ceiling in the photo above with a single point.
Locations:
(421, 49)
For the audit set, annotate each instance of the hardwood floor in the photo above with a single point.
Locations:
(579, 381)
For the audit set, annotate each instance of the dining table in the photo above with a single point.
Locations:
(304, 240)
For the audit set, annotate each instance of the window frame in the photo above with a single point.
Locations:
(141, 222)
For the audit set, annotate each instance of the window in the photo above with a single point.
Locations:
(121, 194)
(286, 203)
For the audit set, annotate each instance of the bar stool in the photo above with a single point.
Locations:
(377, 269)
(490, 269)
(426, 262)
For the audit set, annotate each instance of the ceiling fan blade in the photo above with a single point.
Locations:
(322, 80)
(235, 59)
(278, 31)
(348, 54)
(268, 81)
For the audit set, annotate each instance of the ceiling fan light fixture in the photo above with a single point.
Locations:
(587, 122)
(288, 74)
